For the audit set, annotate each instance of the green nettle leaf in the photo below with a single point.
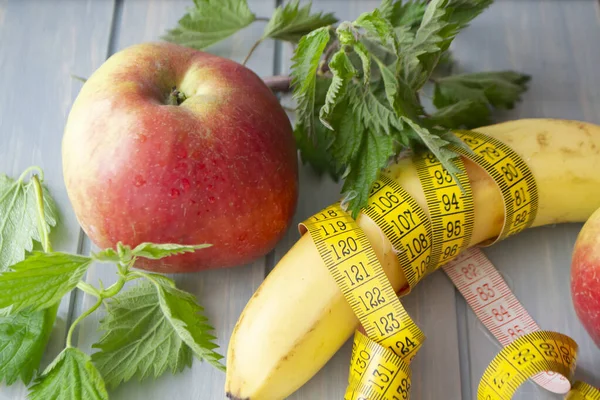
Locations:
(390, 84)
(185, 316)
(436, 145)
(364, 145)
(385, 8)
(433, 36)
(290, 22)
(107, 255)
(444, 66)
(375, 24)
(23, 338)
(451, 138)
(348, 134)
(19, 219)
(138, 339)
(373, 154)
(348, 38)
(157, 251)
(464, 11)
(377, 115)
(463, 114)
(71, 376)
(209, 22)
(441, 22)
(343, 72)
(40, 281)
(365, 58)
(315, 150)
(409, 13)
(434, 33)
(304, 75)
(498, 89)
(399, 94)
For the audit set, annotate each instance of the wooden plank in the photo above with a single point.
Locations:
(41, 44)
(223, 293)
(432, 304)
(551, 41)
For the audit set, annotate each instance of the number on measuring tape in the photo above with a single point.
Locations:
(545, 357)
(450, 207)
(511, 174)
(498, 309)
(527, 356)
(405, 224)
(376, 373)
(347, 253)
(380, 360)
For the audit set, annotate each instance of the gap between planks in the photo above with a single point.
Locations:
(83, 242)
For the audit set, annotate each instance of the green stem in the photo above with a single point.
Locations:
(28, 170)
(252, 51)
(89, 289)
(264, 19)
(81, 318)
(41, 216)
(107, 293)
(113, 289)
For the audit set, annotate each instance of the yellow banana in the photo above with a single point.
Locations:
(298, 318)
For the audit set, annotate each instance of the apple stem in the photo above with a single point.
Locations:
(175, 97)
(278, 83)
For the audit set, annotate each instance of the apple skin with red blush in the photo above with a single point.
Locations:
(167, 144)
(585, 276)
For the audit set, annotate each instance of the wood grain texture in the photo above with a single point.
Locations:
(41, 44)
(555, 42)
(223, 293)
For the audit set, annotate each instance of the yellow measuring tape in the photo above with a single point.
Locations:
(583, 391)
(524, 358)
(405, 224)
(512, 176)
(353, 264)
(450, 207)
(379, 364)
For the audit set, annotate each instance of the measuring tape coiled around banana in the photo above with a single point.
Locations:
(511, 174)
(379, 368)
(450, 205)
(376, 372)
(353, 264)
(405, 224)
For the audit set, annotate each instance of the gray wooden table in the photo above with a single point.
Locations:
(42, 42)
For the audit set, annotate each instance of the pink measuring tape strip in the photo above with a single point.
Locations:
(496, 306)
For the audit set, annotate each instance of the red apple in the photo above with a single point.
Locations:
(167, 144)
(585, 276)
